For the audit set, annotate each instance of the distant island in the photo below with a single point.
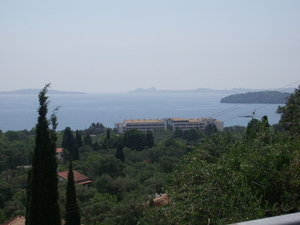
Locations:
(201, 90)
(198, 90)
(36, 92)
(267, 97)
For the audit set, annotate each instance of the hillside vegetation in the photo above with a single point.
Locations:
(239, 174)
(268, 97)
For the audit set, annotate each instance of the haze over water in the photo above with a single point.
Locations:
(18, 112)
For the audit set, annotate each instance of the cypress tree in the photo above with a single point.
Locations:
(28, 197)
(107, 138)
(43, 200)
(75, 153)
(149, 139)
(108, 134)
(68, 142)
(72, 210)
(78, 139)
(120, 153)
(87, 140)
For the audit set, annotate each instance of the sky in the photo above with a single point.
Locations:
(118, 46)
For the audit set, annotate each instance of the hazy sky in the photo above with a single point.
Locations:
(118, 46)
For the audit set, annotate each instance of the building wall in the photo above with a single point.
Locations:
(145, 125)
(187, 124)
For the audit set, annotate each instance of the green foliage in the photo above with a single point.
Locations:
(167, 163)
(149, 139)
(120, 153)
(43, 206)
(126, 214)
(107, 164)
(213, 178)
(190, 135)
(78, 139)
(157, 216)
(161, 135)
(2, 216)
(12, 135)
(28, 194)
(15, 151)
(290, 114)
(16, 205)
(87, 140)
(72, 215)
(253, 128)
(259, 130)
(108, 134)
(95, 128)
(99, 197)
(69, 143)
(245, 180)
(134, 139)
(210, 129)
(270, 97)
(237, 131)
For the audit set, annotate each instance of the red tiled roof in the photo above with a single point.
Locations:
(79, 178)
(161, 200)
(58, 150)
(17, 220)
(85, 182)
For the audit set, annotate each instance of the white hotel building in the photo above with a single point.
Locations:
(167, 123)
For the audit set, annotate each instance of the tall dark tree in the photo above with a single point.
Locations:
(177, 133)
(43, 201)
(72, 216)
(69, 143)
(253, 128)
(75, 153)
(120, 153)
(28, 193)
(96, 128)
(210, 129)
(134, 139)
(78, 139)
(259, 130)
(290, 114)
(149, 139)
(87, 140)
(107, 138)
(108, 134)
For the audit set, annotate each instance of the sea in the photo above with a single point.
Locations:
(79, 111)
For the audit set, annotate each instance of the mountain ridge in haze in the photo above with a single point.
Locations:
(37, 91)
(206, 90)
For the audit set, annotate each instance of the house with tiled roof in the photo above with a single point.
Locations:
(20, 220)
(161, 200)
(79, 178)
(59, 152)
(17, 220)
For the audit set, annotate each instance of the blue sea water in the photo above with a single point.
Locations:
(18, 112)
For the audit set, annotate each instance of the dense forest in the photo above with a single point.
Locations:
(269, 97)
(210, 177)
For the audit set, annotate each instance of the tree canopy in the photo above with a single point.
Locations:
(72, 210)
(223, 177)
(290, 113)
(270, 97)
(69, 143)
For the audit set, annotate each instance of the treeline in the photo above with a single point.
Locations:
(210, 177)
(127, 170)
(268, 97)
